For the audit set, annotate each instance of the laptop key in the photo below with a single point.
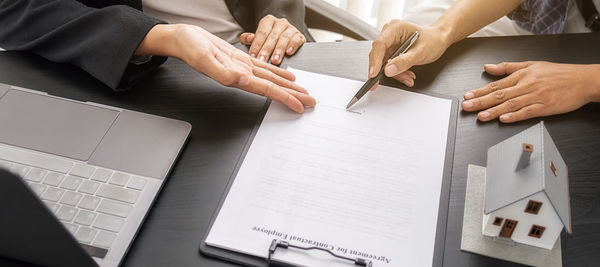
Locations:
(85, 235)
(101, 175)
(53, 178)
(71, 182)
(53, 194)
(89, 187)
(85, 217)
(71, 227)
(35, 175)
(119, 178)
(118, 193)
(104, 239)
(52, 206)
(89, 202)
(82, 170)
(71, 198)
(66, 213)
(19, 170)
(37, 188)
(114, 208)
(109, 223)
(137, 183)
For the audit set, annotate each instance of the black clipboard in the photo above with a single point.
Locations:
(440, 236)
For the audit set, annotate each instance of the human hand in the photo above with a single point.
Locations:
(224, 63)
(430, 45)
(274, 38)
(534, 89)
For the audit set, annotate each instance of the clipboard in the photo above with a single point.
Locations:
(440, 237)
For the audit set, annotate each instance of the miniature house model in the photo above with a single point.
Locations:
(527, 190)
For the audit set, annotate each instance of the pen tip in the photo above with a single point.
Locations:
(351, 103)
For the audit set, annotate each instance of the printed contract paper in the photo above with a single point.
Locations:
(361, 183)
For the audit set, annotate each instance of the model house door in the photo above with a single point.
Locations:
(508, 228)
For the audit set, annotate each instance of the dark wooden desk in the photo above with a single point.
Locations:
(223, 119)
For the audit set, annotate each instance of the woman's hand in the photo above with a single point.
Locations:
(224, 63)
(430, 45)
(534, 89)
(274, 38)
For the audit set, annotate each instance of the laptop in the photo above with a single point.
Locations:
(97, 168)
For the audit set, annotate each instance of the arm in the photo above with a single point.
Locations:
(224, 63)
(103, 41)
(465, 17)
(100, 41)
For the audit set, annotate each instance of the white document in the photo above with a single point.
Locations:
(363, 183)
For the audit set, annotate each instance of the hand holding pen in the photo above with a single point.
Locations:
(432, 43)
(374, 80)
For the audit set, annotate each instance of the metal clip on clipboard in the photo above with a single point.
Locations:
(284, 244)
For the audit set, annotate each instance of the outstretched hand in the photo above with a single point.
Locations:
(534, 89)
(226, 64)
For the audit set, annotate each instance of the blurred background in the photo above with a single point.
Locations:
(373, 12)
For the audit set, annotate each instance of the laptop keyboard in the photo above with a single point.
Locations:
(93, 203)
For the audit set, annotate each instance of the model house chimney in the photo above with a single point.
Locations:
(527, 149)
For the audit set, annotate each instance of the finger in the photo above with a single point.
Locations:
(266, 88)
(305, 99)
(528, 112)
(496, 98)
(402, 63)
(505, 67)
(281, 46)
(267, 49)
(279, 71)
(489, 88)
(272, 77)
(247, 38)
(374, 86)
(378, 50)
(297, 41)
(407, 78)
(382, 48)
(262, 32)
(508, 106)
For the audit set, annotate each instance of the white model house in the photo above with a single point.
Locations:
(527, 190)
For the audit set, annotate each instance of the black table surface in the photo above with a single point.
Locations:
(223, 119)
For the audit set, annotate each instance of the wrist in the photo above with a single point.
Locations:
(445, 34)
(594, 74)
(160, 41)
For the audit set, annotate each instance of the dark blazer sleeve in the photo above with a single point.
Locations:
(101, 41)
(249, 12)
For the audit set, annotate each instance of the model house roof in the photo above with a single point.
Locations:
(515, 172)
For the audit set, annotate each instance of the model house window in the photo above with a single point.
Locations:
(533, 207)
(536, 231)
(553, 168)
(498, 221)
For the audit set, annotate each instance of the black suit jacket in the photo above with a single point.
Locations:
(101, 36)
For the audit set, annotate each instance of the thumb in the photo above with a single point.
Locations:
(505, 68)
(401, 63)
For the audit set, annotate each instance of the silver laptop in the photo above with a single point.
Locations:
(97, 168)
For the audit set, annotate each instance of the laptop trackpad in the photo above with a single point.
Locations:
(141, 144)
(56, 126)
